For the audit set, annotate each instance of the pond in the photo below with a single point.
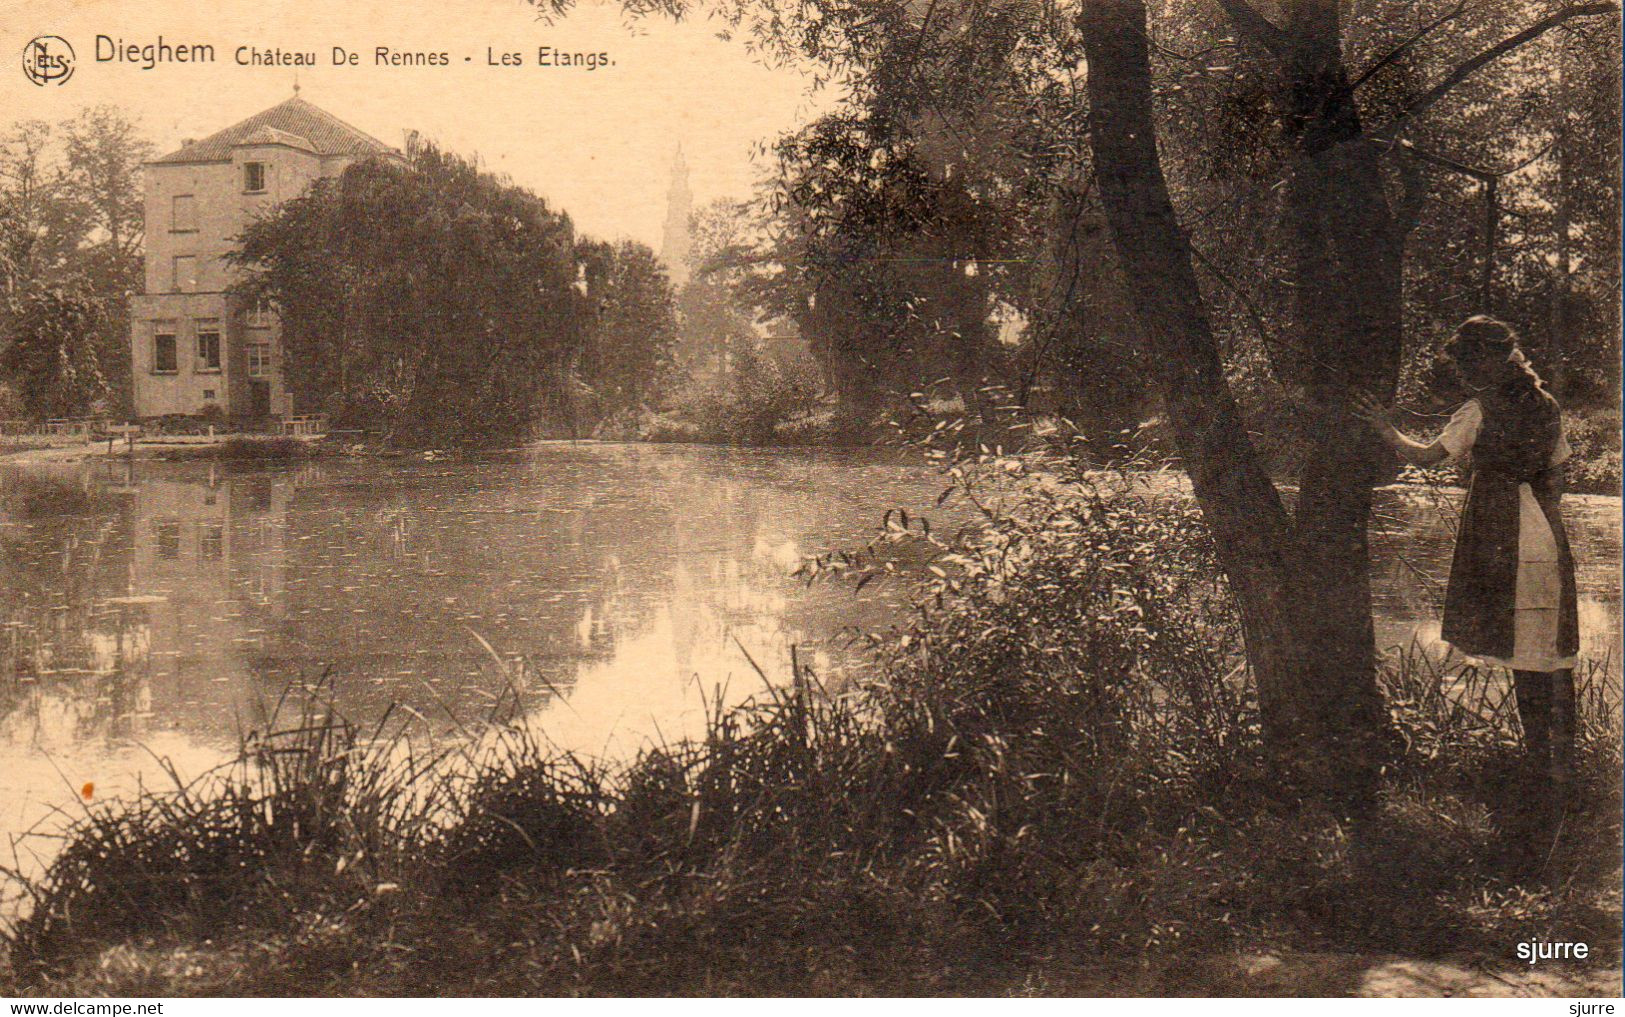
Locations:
(155, 610)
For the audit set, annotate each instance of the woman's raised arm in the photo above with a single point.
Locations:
(1414, 452)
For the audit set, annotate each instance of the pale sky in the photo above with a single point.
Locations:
(597, 143)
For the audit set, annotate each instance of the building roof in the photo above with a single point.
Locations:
(294, 122)
(272, 136)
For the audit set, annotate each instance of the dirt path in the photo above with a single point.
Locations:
(1384, 977)
(1330, 975)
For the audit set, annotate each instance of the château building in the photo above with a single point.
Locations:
(194, 349)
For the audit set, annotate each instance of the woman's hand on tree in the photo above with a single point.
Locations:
(1364, 406)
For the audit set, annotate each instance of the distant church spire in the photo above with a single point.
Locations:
(678, 245)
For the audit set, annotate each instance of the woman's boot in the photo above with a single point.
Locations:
(1562, 743)
(1534, 689)
(1533, 813)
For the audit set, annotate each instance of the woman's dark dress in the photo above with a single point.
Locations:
(1512, 605)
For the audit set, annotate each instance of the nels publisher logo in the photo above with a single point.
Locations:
(48, 60)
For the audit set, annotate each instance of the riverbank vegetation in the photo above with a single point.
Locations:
(1054, 782)
(1113, 728)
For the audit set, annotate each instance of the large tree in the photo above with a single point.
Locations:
(70, 231)
(428, 299)
(1302, 579)
(627, 357)
(53, 353)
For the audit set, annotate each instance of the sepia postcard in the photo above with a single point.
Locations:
(857, 498)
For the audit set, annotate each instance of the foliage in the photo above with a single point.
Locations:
(1083, 657)
(904, 258)
(70, 247)
(748, 403)
(12, 406)
(627, 356)
(431, 300)
(1060, 750)
(40, 224)
(103, 153)
(718, 305)
(961, 136)
(303, 801)
(1594, 442)
(65, 351)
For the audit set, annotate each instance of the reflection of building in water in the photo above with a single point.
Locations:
(212, 546)
(156, 605)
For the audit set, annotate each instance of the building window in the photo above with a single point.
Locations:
(185, 277)
(259, 359)
(164, 360)
(258, 316)
(167, 539)
(253, 177)
(208, 345)
(212, 541)
(208, 395)
(183, 214)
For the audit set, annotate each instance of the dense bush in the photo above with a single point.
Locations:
(749, 403)
(428, 300)
(1595, 440)
(1085, 660)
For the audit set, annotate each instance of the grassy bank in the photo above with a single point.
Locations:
(1053, 783)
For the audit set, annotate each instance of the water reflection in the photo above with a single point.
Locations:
(162, 607)
(174, 602)
(1413, 535)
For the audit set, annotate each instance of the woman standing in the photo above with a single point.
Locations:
(1511, 598)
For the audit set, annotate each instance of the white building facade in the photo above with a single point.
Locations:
(194, 349)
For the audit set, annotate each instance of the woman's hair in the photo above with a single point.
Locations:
(1483, 337)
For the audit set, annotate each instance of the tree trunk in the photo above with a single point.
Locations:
(1348, 252)
(1256, 543)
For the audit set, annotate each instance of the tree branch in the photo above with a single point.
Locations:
(1448, 163)
(1466, 69)
(1476, 172)
(1256, 27)
(1404, 47)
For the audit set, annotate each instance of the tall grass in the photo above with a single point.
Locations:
(311, 812)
